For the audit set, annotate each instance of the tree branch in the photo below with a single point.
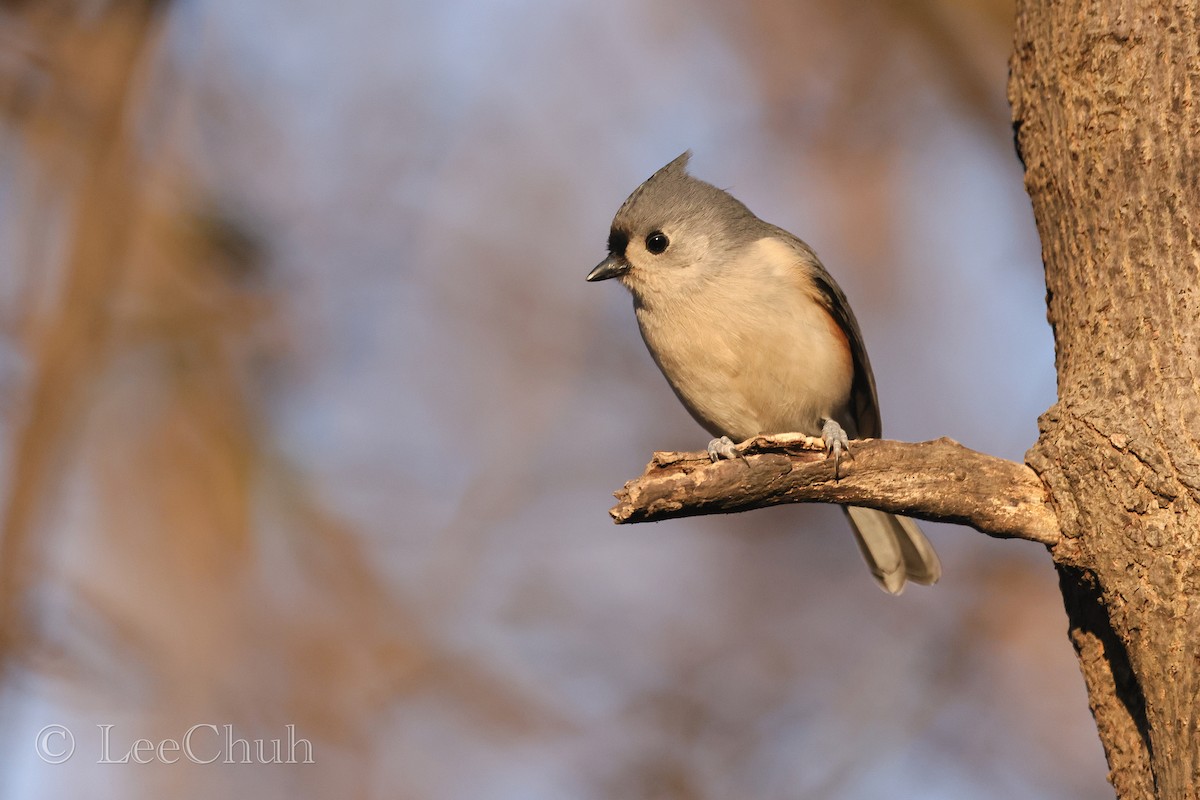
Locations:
(939, 480)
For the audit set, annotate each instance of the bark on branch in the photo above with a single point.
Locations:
(939, 480)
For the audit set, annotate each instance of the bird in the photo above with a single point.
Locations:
(755, 337)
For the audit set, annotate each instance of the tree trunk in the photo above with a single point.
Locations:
(1106, 108)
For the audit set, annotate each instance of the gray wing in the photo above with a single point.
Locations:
(864, 404)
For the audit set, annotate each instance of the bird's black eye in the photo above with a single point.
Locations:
(657, 242)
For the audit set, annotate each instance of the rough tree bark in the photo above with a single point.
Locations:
(1106, 111)
(1104, 104)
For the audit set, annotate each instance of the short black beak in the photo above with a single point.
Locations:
(610, 267)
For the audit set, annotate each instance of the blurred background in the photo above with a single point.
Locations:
(310, 419)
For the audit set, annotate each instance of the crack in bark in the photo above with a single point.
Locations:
(1108, 671)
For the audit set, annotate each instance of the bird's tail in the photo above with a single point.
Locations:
(895, 548)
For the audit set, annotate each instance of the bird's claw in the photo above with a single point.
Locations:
(723, 448)
(836, 443)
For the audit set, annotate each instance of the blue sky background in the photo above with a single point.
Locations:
(435, 380)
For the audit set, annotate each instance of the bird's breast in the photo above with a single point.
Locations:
(751, 355)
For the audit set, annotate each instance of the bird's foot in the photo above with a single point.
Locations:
(836, 443)
(723, 448)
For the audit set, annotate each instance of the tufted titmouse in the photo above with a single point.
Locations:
(755, 337)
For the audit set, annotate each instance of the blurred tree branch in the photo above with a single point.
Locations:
(939, 480)
(77, 115)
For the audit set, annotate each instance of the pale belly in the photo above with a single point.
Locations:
(778, 367)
